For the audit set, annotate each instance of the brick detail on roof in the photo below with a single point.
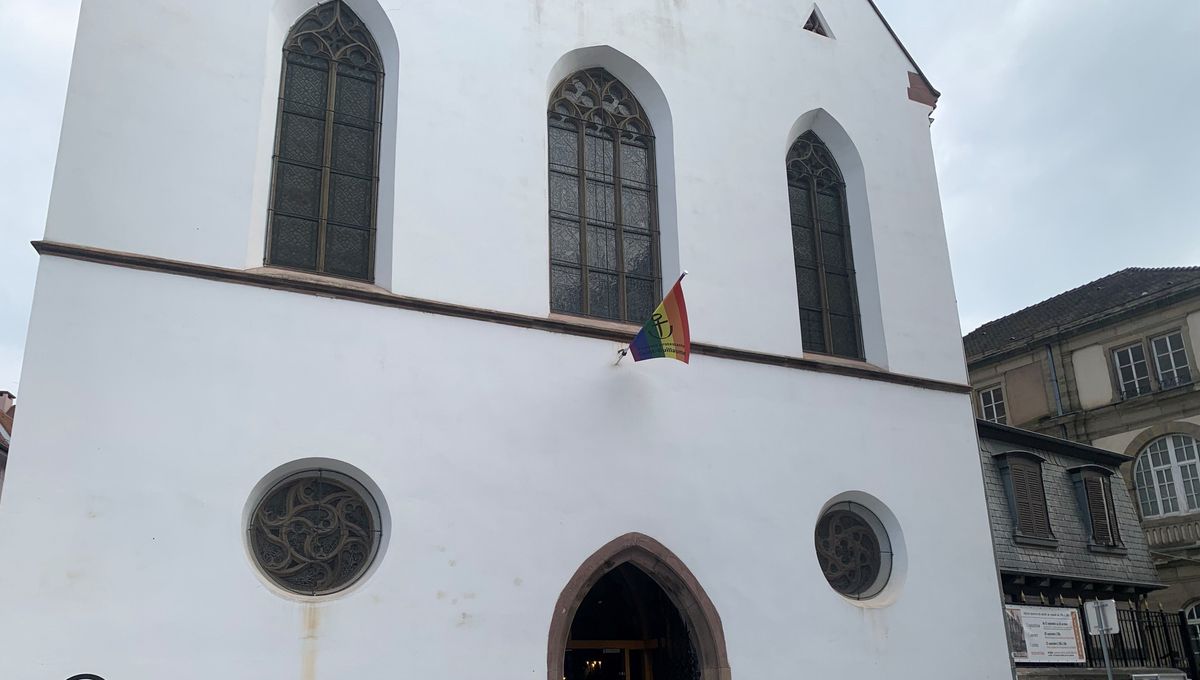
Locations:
(1126, 289)
(919, 91)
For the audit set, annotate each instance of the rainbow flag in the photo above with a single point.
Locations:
(666, 334)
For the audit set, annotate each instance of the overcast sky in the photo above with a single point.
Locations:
(1067, 141)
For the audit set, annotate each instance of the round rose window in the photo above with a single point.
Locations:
(853, 550)
(315, 532)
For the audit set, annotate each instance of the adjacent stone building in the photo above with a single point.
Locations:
(1112, 364)
(1062, 537)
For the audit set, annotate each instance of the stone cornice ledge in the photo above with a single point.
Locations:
(298, 282)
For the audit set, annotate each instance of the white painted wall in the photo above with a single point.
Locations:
(505, 456)
(1118, 442)
(1092, 377)
(152, 404)
(169, 125)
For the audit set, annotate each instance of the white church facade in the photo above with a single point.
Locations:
(320, 373)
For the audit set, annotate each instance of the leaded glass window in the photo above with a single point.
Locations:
(825, 284)
(326, 165)
(604, 259)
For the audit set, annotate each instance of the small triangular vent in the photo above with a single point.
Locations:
(815, 24)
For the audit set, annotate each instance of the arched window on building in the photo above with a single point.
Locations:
(828, 295)
(1167, 476)
(1192, 613)
(325, 177)
(604, 252)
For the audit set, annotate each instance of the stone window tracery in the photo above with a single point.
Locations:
(825, 278)
(315, 532)
(326, 164)
(854, 550)
(604, 245)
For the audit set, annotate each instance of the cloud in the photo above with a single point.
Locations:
(35, 58)
(1065, 140)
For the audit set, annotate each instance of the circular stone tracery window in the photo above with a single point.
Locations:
(853, 550)
(315, 532)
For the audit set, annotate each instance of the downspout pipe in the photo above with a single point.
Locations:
(1058, 407)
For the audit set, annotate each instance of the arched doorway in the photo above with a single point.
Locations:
(633, 611)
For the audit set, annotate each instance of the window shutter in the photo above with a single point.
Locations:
(1099, 509)
(1029, 498)
(1114, 529)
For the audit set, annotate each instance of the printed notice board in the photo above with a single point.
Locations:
(1044, 634)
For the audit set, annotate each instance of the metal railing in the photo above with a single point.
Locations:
(1148, 639)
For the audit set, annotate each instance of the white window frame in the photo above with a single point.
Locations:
(1132, 364)
(1172, 365)
(988, 400)
(1192, 613)
(1167, 477)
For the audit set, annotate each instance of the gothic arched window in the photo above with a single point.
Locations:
(326, 165)
(604, 258)
(829, 319)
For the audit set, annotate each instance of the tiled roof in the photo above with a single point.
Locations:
(1128, 287)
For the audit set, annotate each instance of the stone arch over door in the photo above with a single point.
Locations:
(666, 570)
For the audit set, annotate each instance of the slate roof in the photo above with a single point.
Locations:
(1072, 558)
(1128, 288)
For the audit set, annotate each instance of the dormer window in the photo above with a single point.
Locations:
(1093, 491)
(1022, 473)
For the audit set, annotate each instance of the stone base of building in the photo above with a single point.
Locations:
(1056, 672)
(1179, 568)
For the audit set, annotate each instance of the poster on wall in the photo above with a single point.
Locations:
(1044, 634)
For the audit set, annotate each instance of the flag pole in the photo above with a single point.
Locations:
(621, 353)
